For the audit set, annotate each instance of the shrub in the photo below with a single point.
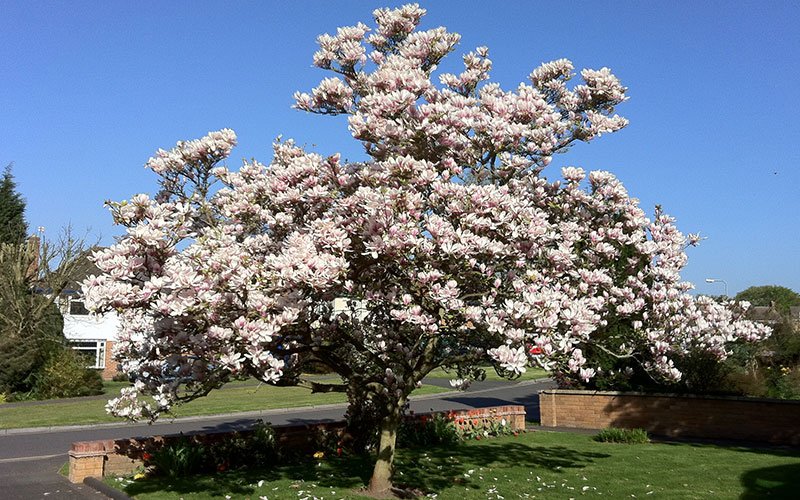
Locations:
(258, 448)
(26, 343)
(703, 373)
(436, 429)
(182, 458)
(782, 382)
(64, 375)
(448, 429)
(626, 436)
(264, 443)
(770, 368)
(482, 428)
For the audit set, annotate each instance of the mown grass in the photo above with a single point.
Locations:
(539, 464)
(237, 397)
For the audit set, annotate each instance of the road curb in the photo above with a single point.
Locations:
(105, 489)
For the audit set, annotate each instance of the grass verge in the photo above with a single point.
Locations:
(491, 374)
(540, 465)
(238, 397)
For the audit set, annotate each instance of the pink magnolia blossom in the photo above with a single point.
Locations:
(448, 245)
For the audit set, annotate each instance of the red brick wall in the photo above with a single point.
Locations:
(122, 456)
(111, 366)
(735, 418)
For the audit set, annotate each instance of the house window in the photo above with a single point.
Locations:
(94, 351)
(76, 307)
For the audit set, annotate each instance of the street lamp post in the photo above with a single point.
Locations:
(717, 280)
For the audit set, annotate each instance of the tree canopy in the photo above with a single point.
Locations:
(783, 298)
(448, 245)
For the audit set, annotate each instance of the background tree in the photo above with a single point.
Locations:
(448, 246)
(30, 325)
(13, 228)
(770, 368)
(32, 276)
(33, 273)
(766, 295)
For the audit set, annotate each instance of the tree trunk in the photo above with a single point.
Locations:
(381, 480)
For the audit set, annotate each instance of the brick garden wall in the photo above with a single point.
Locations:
(735, 418)
(123, 456)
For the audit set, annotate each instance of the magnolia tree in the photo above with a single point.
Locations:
(447, 245)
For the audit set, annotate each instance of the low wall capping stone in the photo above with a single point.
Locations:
(773, 421)
(123, 456)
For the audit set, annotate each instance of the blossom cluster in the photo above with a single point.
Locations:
(451, 241)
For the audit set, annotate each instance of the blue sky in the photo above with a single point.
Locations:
(89, 90)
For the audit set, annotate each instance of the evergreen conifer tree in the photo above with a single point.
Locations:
(13, 228)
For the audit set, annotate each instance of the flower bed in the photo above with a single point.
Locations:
(124, 456)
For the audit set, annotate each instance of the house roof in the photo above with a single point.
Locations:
(764, 313)
(771, 314)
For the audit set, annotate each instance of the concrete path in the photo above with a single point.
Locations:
(30, 458)
(37, 477)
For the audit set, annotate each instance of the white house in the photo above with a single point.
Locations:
(93, 336)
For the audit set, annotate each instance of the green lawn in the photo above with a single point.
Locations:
(236, 397)
(491, 374)
(544, 465)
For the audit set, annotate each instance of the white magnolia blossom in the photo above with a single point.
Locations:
(514, 360)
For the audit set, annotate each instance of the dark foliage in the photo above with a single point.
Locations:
(13, 228)
(783, 298)
(258, 449)
(64, 375)
(26, 346)
(428, 430)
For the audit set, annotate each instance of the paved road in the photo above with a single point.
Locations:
(29, 461)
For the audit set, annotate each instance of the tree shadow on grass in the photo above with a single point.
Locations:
(438, 469)
(425, 470)
(342, 473)
(780, 481)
